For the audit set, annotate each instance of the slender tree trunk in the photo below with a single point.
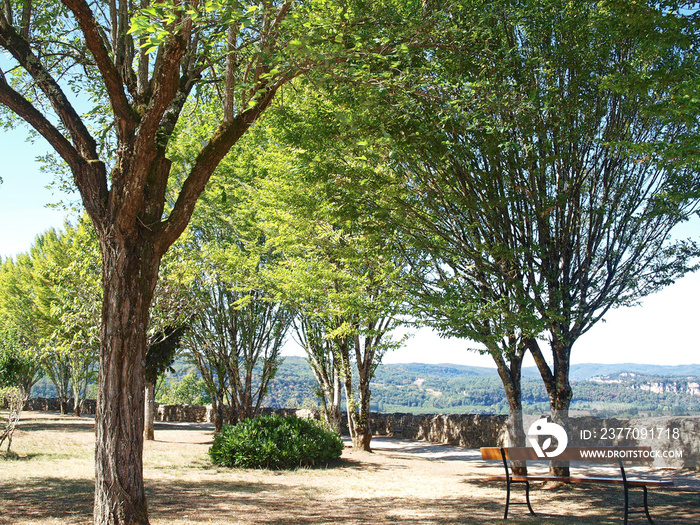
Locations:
(149, 411)
(510, 374)
(363, 431)
(79, 392)
(352, 415)
(560, 398)
(328, 381)
(558, 388)
(129, 275)
(334, 415)
(217, 413)
(350, 403)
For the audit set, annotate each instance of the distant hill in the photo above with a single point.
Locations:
(620, 389)
(451, 388)
(579, 372)
(587, 371)
(439, 370)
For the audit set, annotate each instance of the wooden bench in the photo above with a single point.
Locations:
(606, 454)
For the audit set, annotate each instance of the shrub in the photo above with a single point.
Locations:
(275, 442)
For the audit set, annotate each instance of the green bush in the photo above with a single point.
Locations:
(275, 442)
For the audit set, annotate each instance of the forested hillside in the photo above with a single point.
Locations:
(448, 388)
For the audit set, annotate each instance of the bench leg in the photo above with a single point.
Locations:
(527, 497)
(505, 516)
(646, 506)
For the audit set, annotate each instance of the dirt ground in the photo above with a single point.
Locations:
(51, 482)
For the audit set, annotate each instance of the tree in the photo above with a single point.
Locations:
(19, 370)
(17, 318)
(547, 170)
(238, 326)
(23, 308)
(68, 295)
(324, 359)
(188, 390)
(338, 271)
(139, 65)
(239, 332)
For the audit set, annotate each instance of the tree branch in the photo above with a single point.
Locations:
(113, 81)
(206, 162)
(22, 107)
(19, 48)
(89, 174)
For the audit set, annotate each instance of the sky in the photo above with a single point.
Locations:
(662, 330)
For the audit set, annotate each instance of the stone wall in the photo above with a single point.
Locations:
(193, 413)
(181, 413)
(462, 430)
(50, 404)
(676, 438)
(673, 436)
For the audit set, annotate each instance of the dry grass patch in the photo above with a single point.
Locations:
(52, 482)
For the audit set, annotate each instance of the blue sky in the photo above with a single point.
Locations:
(662, 330)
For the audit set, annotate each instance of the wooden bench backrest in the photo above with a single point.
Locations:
(600, 454)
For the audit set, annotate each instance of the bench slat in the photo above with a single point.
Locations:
(491, 453)
(585, 454)
(576, 479)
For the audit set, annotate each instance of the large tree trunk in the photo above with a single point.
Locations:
(149, 411)
(129, 275)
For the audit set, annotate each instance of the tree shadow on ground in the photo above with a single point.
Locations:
(265, 503)
(35, 499)
(595, 504)
(229, 501)
(56, 425)
(183, 427)
(365, 465)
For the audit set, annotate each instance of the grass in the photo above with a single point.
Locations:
(50, 481)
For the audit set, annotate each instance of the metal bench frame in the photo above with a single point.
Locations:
(623, 480)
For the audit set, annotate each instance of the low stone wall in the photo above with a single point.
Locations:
(193, 413)
(462, 430)
(51, 404)
(180, 413)
(677, 439)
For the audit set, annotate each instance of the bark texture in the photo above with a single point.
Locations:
(129, 281)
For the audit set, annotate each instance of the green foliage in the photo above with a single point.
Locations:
(161, 351)
(277, 443)
(19, 364)
(189, 390)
